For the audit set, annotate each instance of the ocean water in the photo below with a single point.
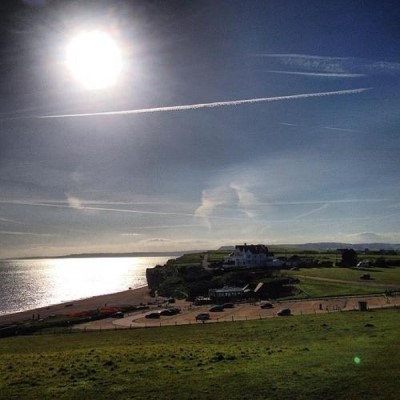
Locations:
(27, 284)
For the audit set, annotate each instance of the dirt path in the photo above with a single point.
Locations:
(205, 263)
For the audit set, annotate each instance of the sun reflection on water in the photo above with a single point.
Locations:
(26, 284)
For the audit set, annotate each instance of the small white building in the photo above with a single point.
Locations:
(252, 256)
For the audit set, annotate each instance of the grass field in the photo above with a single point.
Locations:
(314, 288)
(305, 357)
(382, 275)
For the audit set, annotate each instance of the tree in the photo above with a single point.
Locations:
(349, 258)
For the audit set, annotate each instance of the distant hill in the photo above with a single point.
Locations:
(323, 246)
(339, 245)
(109, 255)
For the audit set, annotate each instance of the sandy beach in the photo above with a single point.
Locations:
(126, 297)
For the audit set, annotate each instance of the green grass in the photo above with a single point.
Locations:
(304, 357)
(217, 255)
(313, 288)
(188, 259)
(382, 275)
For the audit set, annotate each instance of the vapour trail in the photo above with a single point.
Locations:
(116, 210)
(318, 74)
(211, 105)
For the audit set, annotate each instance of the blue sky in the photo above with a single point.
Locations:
(293, 170)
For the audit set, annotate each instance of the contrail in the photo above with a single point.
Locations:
(210, 105)
(318, 74)
(116, 210)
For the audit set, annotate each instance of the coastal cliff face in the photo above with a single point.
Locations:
(155, 276)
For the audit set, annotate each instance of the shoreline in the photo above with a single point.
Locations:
(125, 297)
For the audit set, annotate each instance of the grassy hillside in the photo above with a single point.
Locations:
(378, 275)
(334, 356)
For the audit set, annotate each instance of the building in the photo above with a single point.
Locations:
(252, 256)
(226, 293)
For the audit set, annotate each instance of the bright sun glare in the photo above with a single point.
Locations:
(94, 59)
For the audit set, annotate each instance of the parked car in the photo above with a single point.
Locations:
(118, 314)
(170, 311)
(203, 317)
(266, 305)
(216, 309)
(228, 305)
(152, 315)
(284, 312)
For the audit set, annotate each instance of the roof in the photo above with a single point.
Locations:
(253, 248)
(227, 289)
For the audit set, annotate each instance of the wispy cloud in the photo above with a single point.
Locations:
(332, 201)
(287, 124)
(315, 210)
(333, 128)
(27, 234)
(318, 74)
(172, 226)
(157, 240)
(332, 65)
(212, 105)
(233, 196)
(10, 221)
(246, 199)
(214, 198)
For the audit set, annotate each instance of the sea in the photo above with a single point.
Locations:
(28, 284)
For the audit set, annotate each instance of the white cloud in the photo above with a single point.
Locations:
(234, 198)
(247, 200)
(157, 240)
(74, 202)
(372, 237)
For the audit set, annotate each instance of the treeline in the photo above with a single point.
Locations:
(188, 281)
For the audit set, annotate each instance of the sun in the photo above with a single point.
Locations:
(94, 59)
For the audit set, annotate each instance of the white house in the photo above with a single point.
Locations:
(252, 256)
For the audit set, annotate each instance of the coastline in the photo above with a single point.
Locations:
(131, 297)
